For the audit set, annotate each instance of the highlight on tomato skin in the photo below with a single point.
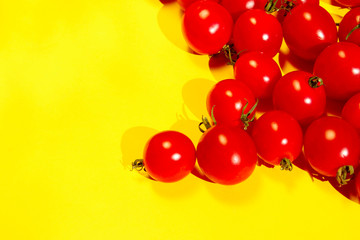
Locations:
(331, 146)
(169, 156)
(226, 154)
(206, 27)
(278, 138)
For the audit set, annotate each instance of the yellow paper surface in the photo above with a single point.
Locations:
(83, 85)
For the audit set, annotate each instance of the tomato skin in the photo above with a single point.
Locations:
(331, 143)
(277, 135)
(351, 111)
(349, 21)
(206, 27)
(293, 94)
(169, 156)
(339, 67)
(226, 154)
(256, 30)
(357, 184)
(281, 14)
(308, 30)
(228, 98)
(349, 3)
(186, 3)
(259, 72)
(238, 7)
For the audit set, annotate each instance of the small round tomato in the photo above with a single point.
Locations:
(169, 156)
(348, 23)
(301, 95)
(227, 101)
(206, 27)
(226, 154)
(351, 111)
(278, 138)
(308, 30)
(259, 72)
(339, 67)
(331, 146)
(349, 3)
(256, 30)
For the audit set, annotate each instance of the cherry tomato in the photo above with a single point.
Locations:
(278, 138)
(351, 111)
(349, 3)
(301, 95)
(169, 156)
(259, 72)
(237, 7)
(186, 3)
(347, 24)
(339, 67)
(227, 100)
(206, 27)
(308, 30)
(330, 143)
(226, 154)
(256, 30)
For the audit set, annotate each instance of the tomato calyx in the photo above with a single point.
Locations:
(315, 82)
(343, 174)
(230, 54)
(352, 30)
(285, 164)
(270, 6)
(206, 122)
(138, 165)
(245, 116)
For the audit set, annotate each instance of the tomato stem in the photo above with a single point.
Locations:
(352, 30)
(206, 123)
(315, 82)
(138, 165)
(286, 164)
(343, 174)
(245, 116)
(230, 54)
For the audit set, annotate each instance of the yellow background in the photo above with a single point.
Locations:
(83, 85)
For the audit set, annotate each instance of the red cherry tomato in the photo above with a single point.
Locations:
(206, 27)
(186, 3)
(226, 154)
(331, 143)
(259, 72)
(349, 3)
(351, 111)
(278, 138)
(300, 94)
(256, 30)
(347, 24)
(169, 156)
(227, 100)
(308, 30)
(339, 67)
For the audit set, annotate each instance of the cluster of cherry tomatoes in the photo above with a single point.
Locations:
(249, 33)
